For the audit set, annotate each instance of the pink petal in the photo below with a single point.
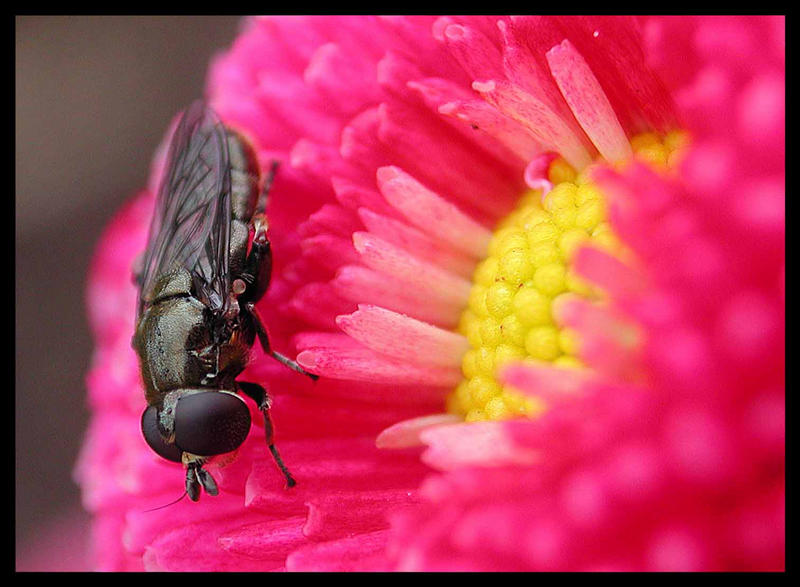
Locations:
(354, 197)
(318, 304)
(608, 272)
(360, 144)
(612, 48)
(342, 514)
(407, 433)
(363, 285)
(437, 93)
(364, 553)
(588, 102)
(552, 384)
(606, 337)
(325, 466)
(524, 65)
(319, 340)
(333, 72)
(395, 71)
(366, 365)
(482, 117)
(429, 212)
(194, 547)
(414, 135)
(329, 251)
(478, 443)
(548, 128)
(269, 540)
(318, 160)
(330, 218)
(390, 396)
(416, 274)
(399, 336)
(476, 54)
(415, 241)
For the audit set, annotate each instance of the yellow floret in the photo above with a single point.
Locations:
(496, 409)
(655, 155)
(644, 141)
(513, 330)
(544, 253)
(588, 192)
(485, 361)
(486, 271)
(490, 332)
(570, 240)
(506, 353)
(560, 171)
(542, 343)
(590, 214)
(561, 196)
(499, 298)
(509, 318)
(532, 307)
(569, 341)
(482, 389)
(542, 232)
(549, 279)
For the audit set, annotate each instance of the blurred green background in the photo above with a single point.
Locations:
(94, 96)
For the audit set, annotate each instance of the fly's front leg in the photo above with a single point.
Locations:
(263, 338)
(262, 399)
(257, 270)
(263, 198)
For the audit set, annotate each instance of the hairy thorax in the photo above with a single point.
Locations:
(175, 344)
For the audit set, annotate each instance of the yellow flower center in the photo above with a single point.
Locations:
(509, 317)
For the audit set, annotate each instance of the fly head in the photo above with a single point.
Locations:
(191, 425)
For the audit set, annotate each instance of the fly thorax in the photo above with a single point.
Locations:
(175, 283)
(170, 334)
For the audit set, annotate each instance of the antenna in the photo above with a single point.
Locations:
(168, 504)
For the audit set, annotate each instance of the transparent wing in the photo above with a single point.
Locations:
(191, 222)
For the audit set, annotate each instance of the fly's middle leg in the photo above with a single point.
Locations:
(263, 338)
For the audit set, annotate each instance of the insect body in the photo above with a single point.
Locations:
(208, 261)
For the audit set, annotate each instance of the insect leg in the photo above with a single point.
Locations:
(263, 197)
(137, 270)
(257, 269)
(258, 265)
(262, 399)
(263, 338)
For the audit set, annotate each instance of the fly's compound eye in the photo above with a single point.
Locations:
(154, 438)
(211, 423)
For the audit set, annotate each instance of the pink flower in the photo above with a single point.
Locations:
(670, 457)
(648, 365)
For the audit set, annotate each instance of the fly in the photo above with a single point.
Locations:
(207, 262)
